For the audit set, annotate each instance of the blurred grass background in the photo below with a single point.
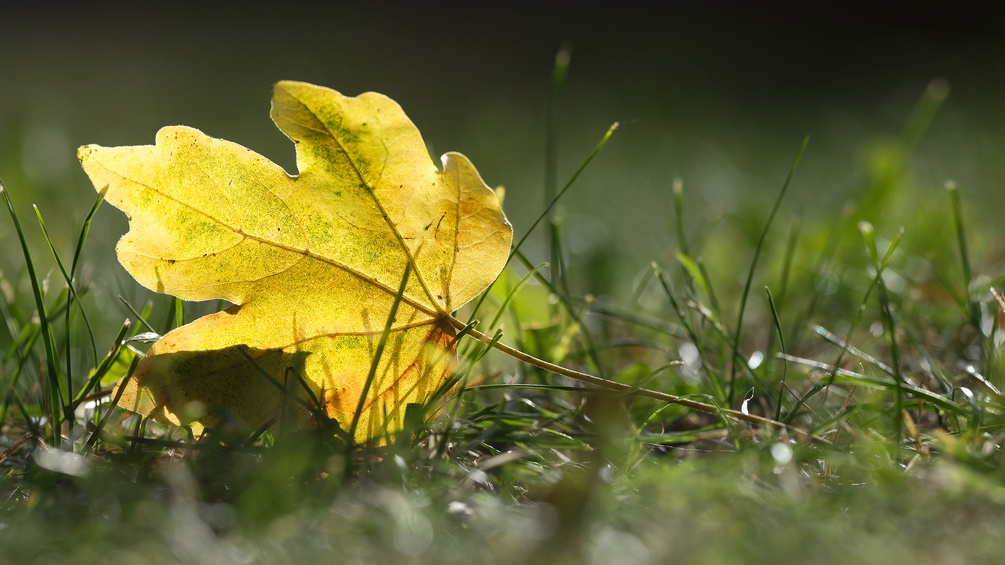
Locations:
(719, 94)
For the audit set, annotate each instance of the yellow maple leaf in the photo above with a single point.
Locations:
(313, 263)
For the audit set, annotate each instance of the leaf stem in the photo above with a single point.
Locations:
(627, 389)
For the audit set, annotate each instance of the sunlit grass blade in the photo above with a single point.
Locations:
(100, 426)
(851, 377)
(854, 351)
(515, 251)
(103, 367)
(175, 316)
(141, 317)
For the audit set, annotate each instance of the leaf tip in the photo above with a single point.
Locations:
(84, 152)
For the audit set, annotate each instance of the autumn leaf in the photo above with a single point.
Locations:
(313, 263)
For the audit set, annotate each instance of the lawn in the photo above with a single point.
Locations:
(785, 251)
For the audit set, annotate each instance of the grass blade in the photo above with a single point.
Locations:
(781, 344)
(753, 267)
(378, 353)
(55, 396)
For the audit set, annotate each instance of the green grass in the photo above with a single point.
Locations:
(870, 332)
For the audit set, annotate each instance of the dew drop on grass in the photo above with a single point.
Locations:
(781, 453)
(689, 355)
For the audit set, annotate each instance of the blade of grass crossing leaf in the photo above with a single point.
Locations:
(461, 375)
(92, 440)
(282, 386)
(55, 397)
(259, 432)
(179, 312)
(295, 373)
(753, 267)
(379, 352)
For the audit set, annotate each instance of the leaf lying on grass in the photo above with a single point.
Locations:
(312, 263)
